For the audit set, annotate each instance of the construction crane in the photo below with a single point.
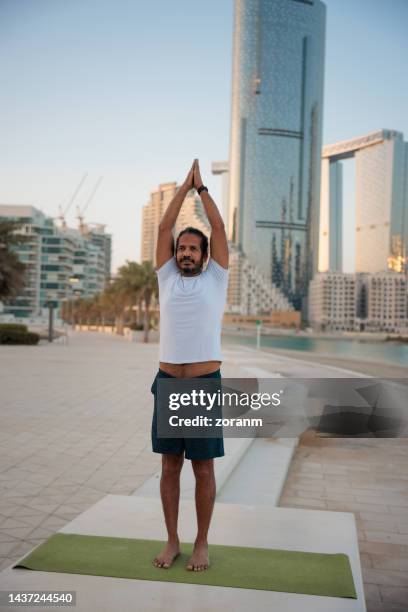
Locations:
(83, 228)
(62, 214)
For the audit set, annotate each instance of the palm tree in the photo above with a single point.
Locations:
(79, 311)
(130, 280)
(107, 301)
(12, 270)
(150, 290)
(92, 309)
(120, 300)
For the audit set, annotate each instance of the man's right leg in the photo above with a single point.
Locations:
(170, 495)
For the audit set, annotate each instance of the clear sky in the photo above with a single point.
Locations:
(135, 90)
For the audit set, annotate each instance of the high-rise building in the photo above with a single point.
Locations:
(276, 133)
(381, 200)
(61, 263)
(191, 214)
(222, 168)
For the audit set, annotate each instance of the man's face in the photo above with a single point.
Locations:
(189, 255)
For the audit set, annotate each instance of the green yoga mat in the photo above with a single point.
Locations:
(232, 566)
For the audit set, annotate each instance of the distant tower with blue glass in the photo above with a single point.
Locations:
(276, 138)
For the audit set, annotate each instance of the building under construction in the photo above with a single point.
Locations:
(62, 263)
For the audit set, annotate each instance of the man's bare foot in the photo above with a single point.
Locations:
(167, 556)
(199, 560)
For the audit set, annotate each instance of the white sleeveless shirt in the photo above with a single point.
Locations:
(191, 310)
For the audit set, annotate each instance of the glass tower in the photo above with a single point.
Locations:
(276, 133)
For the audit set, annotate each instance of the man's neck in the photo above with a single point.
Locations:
(189, 275)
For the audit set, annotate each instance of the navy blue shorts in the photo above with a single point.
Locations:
(195, 448)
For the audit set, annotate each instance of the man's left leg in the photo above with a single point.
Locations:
(204, 498)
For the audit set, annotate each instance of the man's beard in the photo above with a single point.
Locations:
(192, 269)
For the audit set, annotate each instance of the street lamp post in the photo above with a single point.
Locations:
(258, 333)
(50, 320)
(75, 294)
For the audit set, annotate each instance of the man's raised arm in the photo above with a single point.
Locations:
(165, 242)
(218, 241)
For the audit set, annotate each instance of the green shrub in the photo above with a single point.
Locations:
(13, 326)
(138, 327)
(16, 336)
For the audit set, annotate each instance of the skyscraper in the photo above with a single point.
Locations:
(191, 214)
(276, 132)
(381, 196)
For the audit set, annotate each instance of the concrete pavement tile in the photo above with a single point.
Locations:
(380, 525)
(334, 495)
(12, 496)
(52, 522)
(23, 511)
(70, 508)
(330, 479)
(304, 493)
(27, 488)
(400, 511)
(377, 497)
(20, 549)
(385, 607)
(48, 508)
(366, 560)
(382, 536)
(303, 502)
(355, 506)
(373, 516)
(6, 562)
(18, 532)
(389, 563)
(33, 519)
(396, 595)
(6, 537)
(384, 548)
(7, 547)
(12, 522)
(67, 516)
(372, 593)
(310, 475)
(311, 485)
(363, 484)
(41, 532)
(385, 577)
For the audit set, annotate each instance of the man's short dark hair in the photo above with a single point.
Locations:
(200, 234)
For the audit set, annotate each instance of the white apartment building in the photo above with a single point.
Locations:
(332, 301)
(387, 302)
(359, 302)
(61, 263)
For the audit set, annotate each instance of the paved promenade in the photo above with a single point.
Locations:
(368, 477)
(76, 427)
